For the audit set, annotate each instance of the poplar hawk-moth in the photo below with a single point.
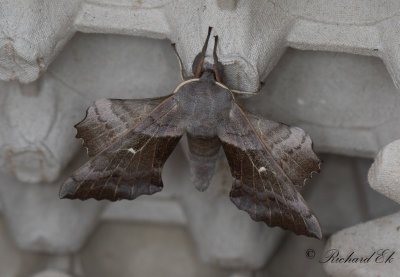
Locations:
(129, 141)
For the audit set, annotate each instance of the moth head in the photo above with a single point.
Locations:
(200, 68)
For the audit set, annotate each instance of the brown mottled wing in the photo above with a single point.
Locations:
(290, 147)
(107, 119)
(132, 162)
(267, 159)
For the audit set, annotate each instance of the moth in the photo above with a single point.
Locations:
(129, 141)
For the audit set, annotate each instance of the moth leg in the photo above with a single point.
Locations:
(217, 76)
(179, 61)
(203, 54)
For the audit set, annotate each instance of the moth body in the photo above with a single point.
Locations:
(204, 105)
(129, 140)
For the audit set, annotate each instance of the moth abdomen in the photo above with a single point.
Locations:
(203, 145)
(203, 155)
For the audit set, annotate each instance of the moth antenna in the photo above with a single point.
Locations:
(217, 77)
(203, 54)
(179, 61)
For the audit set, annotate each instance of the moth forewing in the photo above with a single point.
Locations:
(131, 164)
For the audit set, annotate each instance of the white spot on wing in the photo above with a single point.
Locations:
(132, 150)
(262, 169)
(231, 114)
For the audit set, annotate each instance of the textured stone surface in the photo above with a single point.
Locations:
(59, 226)
(60, 263)
(384, 174)
(334, 194)
(51, 273)
(375, 203)
(36, 121)
(340, 195)
(292, 258)
(31, 34)
(143, 250)
(364, 239)
(13, 261)
(359, 27)
(242, 274)
(147, 209)
(347, 103)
